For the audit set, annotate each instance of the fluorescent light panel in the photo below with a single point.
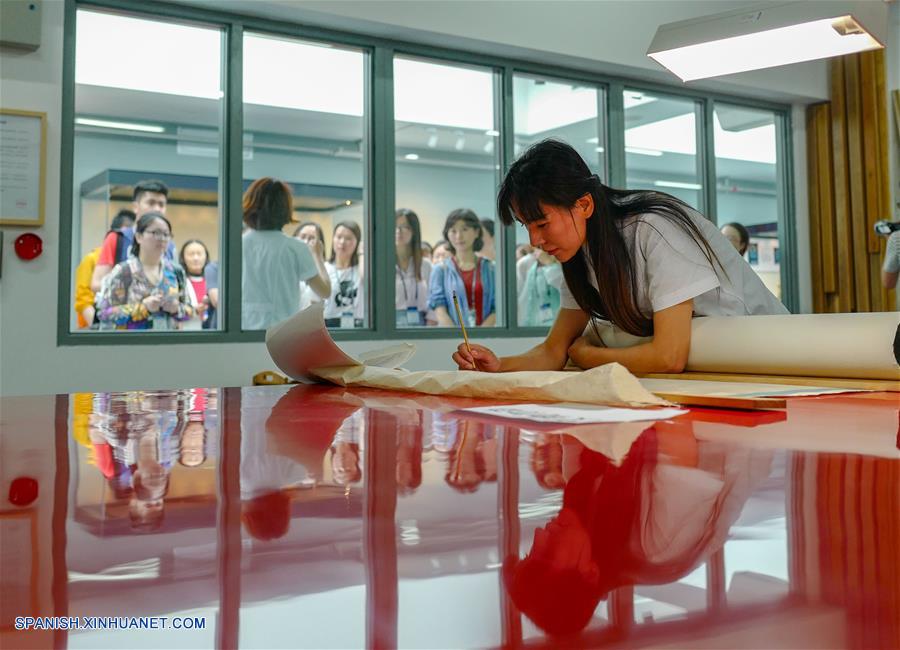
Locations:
(678, 185)
(740, 41)
(126, 126)
(656, 153)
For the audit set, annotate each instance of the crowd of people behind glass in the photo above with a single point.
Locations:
(138, 279)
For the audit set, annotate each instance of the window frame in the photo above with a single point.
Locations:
(379, 168)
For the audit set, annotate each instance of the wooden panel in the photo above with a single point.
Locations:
(871, 150)
(826, 202)
(815, 178)
(857, 182)
(846, 299)
(883, 136)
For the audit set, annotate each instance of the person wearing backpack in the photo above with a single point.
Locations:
(148, 196)
(147, 290)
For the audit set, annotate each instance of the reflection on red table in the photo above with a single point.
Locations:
(310, 516)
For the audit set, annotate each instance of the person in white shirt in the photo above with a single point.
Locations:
(891, 267)
(412, 273)
(344, 307)
(642, 260)
(273, 263)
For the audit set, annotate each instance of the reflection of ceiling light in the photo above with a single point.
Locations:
(599, 149)
(127, 126)
(741, 40)
(432, 141)
(489, 146)
(411, 156)
(593, 140)
(460, 142)
(678, 185)
(348, 202)
(644, 152)
(492, 133)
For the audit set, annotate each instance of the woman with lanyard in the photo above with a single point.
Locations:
(469, 276)
(343, 308)
(412, 271)
(642, 260)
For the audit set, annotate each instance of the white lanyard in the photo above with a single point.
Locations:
(402, 276)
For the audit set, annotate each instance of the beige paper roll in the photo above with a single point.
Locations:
(857, 346)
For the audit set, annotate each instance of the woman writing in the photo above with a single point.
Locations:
(412, 273)
(147, 290)
(644, 261)
(469, 276)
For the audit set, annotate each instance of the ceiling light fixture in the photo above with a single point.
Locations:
(493, 133)
(125, 126)
(742, 40)
(678, 185)
(656, 153)
(411, 156)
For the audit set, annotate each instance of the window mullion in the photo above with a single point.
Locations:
(382, 191)
(508, 233)
(231, 171)
(616, 135)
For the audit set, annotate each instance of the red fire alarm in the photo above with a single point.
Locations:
(23, 491)
(28, 246)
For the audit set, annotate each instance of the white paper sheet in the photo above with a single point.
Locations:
(301, 343)
(575, 413)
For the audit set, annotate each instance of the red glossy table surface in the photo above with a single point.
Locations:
(308, 516)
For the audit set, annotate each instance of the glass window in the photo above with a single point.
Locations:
(447, 170)
(747, 187)
(304, 147)
(573, 112)
(147, 140)
(661, 146)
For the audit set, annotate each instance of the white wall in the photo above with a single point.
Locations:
(570, 33)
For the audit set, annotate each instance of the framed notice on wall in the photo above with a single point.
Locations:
(23, 165)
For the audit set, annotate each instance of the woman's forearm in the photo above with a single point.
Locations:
(639, 359)
(539, 357)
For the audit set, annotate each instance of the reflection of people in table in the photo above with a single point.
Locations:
(651, 520)
(345, 451)
(465, 464)
(409, 450)
(546, 461)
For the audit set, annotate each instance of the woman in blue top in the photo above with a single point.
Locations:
(471, 277)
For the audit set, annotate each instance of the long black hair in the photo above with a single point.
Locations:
(416, 243)
(551, 172)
